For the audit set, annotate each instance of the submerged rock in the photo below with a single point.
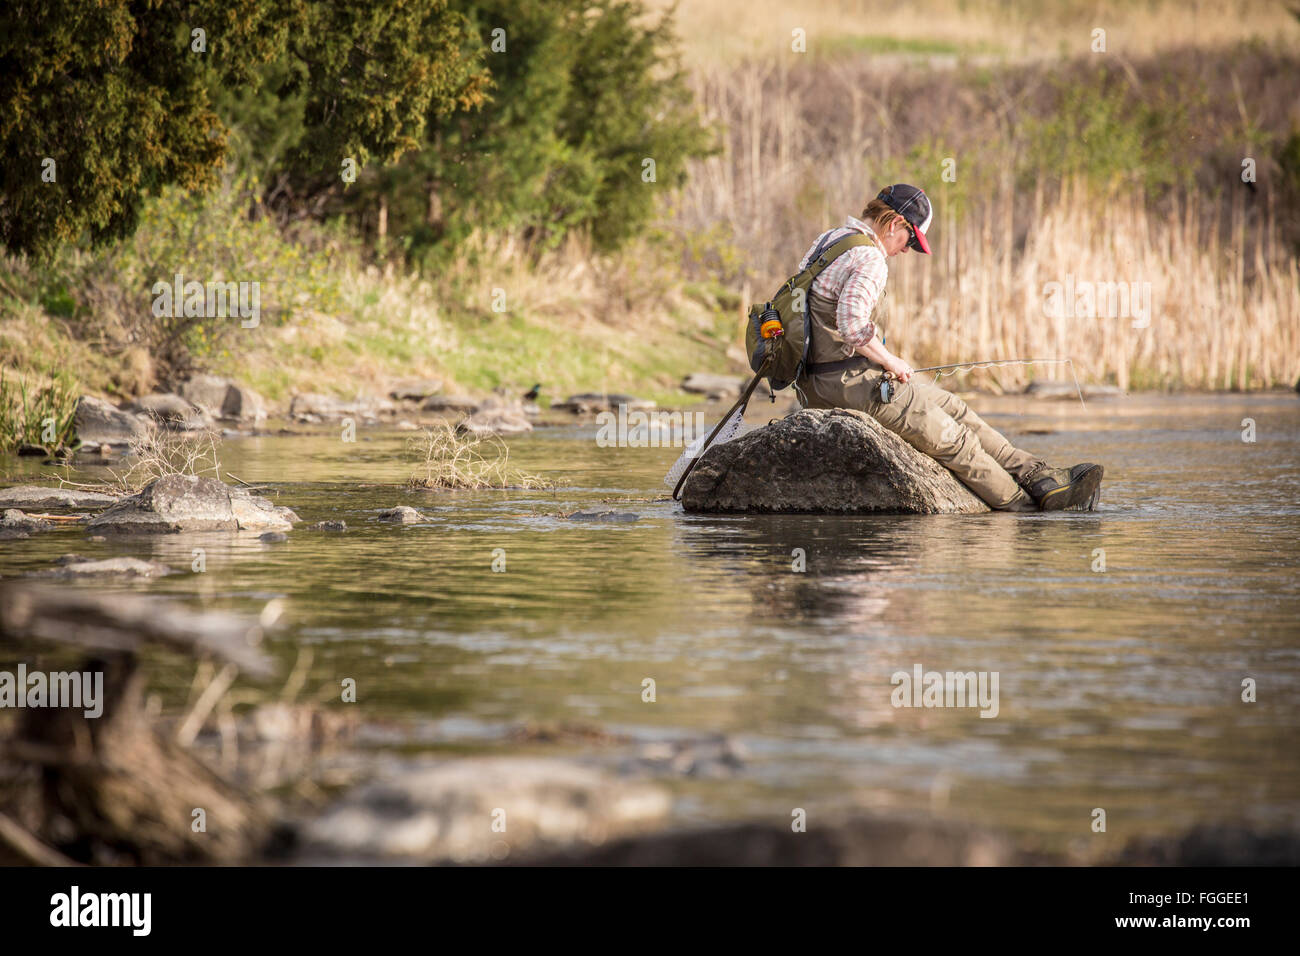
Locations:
(819, 461)
(84, 567)
(339, 525)
(402, 514)
(619, 517)
(445, 811)
(36, 496)
(189, 503)
(15, 520)
(99, 423)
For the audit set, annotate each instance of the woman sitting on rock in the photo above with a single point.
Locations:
(847, 363)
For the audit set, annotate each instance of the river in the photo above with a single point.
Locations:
(1118, 689)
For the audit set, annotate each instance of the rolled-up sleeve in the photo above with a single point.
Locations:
(858, 298)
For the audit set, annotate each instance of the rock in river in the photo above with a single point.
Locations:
(1068, 391)
(496, 418)
(43, 497)
(224, 399)
(171, 411)
(190, 503)
(714, 386)
(127, 567)
(402, 514)
(445, 811)
(824, 461)
(15, 520)
(99, 423)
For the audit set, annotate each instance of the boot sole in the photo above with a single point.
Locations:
(1081, 494)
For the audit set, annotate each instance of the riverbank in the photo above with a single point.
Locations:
(1076, 202)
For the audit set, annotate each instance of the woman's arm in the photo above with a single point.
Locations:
(876, 351)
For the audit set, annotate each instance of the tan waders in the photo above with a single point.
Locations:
(925, 416)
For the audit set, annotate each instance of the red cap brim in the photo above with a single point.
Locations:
(921, 240)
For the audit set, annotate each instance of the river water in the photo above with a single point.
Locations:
(1118, 689)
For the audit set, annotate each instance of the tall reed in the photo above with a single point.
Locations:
(803, 147)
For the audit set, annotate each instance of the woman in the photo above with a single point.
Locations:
(847, 363)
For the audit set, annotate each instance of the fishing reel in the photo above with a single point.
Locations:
(887, 388)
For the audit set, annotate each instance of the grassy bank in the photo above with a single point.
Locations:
(334, 321)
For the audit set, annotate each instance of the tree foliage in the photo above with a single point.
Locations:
(122, 96)
(583, 93)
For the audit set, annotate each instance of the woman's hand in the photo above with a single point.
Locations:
(896, 367)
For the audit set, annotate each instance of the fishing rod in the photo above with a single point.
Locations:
(887, 386)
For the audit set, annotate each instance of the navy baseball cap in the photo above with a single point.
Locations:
(914, 206)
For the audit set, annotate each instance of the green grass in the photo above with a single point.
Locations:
(880, 44)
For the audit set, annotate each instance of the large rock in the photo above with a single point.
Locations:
(99, 423)
(714, 386)
(450, 403)
(446, 811)
(589, 402)
(189, 503)
(222, 398)
(311, 407)
(1068, 391)
(833, 461)
(496, 417)
(43, 498)
(415, 389)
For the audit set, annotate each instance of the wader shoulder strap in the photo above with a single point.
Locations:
(822, 258)
(824, 255)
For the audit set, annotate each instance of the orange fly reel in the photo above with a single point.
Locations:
(771, 329)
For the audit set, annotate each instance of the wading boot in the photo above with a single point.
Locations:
(1056, 489)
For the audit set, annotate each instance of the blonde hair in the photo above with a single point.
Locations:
(881, 215)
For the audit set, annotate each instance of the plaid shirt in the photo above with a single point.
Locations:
(856, 280)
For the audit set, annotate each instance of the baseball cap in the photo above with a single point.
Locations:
(914, 206)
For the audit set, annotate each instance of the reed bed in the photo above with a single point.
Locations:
(801, 147)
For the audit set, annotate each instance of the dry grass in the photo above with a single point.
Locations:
(802, 148)
(161, 453)
(450, 460)
(982, 298)
(727, 31)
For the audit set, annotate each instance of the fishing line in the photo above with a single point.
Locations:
(941, 370)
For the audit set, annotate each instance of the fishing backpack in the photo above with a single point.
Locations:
(779, 332)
